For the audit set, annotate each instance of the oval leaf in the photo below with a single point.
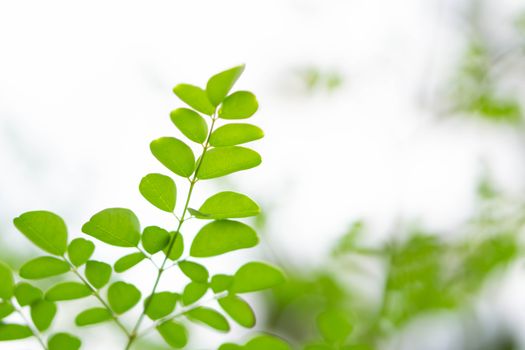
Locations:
(92, 316)
(239, 310)
(239, 105)
(14, 332)
(128, 261)
(265, 342)
(220, 84)
(193, 292)
(27, 294)
(177, 248)
(6, 309)
(190, 123)
(210, 318)
(235, 134)
(228, 204)
(195, 97)
(7, 282)
(222, 161)
(174, 155)
(123, 296)
(256, 276)
(116, 226)
(159, 190)
(42, 313)
(67, 291)
(220, 283)
(154, 239)
(334, 326)
(42, 267)
(64, 341)
(161, 304)
(194, 271)
(45, 229)
(173, 333)
(80, 250)
(97, 273)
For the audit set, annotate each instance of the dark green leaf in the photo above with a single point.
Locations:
(193, 292)
(92, 316)
(174, 155)
(174, 334)
(220, 283)
(334, 326)
(64, 341)
(67, 291)
(42, 313)
(228, 204)
(177, 248)
(220, 84)
(194, 271)
(239, 105)
(45, 229)
(116, 226)
(266, 342)
(154, 239)
(97, 273)
(210, 318)
(80, 250)
(222, 161)
(7, 282)
(239, 310)
(14, 331)
(6, 309)
(191, 124)
(256, 276)
(27, 294)
(161, 304)
(42, 267)
(160, 190)
(123, 296)
(219, 237)
(128, 261)
(195, 97)
(235, 134)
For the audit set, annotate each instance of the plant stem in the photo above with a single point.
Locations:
(193, 181)
(29, 324)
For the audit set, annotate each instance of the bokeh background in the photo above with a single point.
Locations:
(393, 158)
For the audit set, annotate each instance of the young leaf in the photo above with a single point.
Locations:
(6, 309)
(194, 271)
(235, 134)
(256, 276)
(14, 331)
(97, 273)
(193, 292)
(220, 84)
(334, 326)
(45, 229)
(42, 313)
(230, 346)
(122, 296)
(64, 341)
(116, 226)
(80, 250)
(219, 237)
(42, 267)
(190, 123)
(222, 161)
(228, 204)
(220, 283)
(154, 239)
(67, 291)
(210, 318)
(173, 333)
(239, 310)
(161, 304)
(160, 190)
(7, 282)
(178, 246)
(265, 342)
(195, 97)
(92, 316)
(239, 105)
(174, 155)
(128, 261)
(27, 294)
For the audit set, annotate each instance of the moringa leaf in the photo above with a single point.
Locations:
(45, 229)
(154, 239)
(223, 161)
(123, 296)
(334, 326)
(238, 309)
(67, 291)
(190, 123)
(27, 294)
(160, 190)
(256, 276)
(161, 304)
(195, 272)
(64, 341)
(80, 250)
(92, 316)
(195, 97)
(42, 313)
(235, 134)
(228, 204)
(42, 267)
(173, 333)
(116, 226)
(220, 283)
(210, 318)
(6, 309)
(177, 248)
(193, 292)
(7, 282)
(97, 273)
(266, 342)
(174, 155)
(239, 105)
(230, 346)
(220, 84)
(11, 331)
(222, 236)
(128, 261)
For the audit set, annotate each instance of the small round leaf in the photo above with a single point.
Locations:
(92, 316)
(223, 161)
(159, 190)
(80, 250)
(190, 123)
(195, 97)
(174, 155)
(220, 84)
(235, 134)
(64, 341)
(128, 261)
(239, 310)
(116, 226)
(67, 291)
(42, 267)
(42, 313)
(97, 273)
(228, 204)
(210, 318)
(123, 296)
(154, 239)
(256, 276)
(45, 229)
(239, 105)
(173, 333)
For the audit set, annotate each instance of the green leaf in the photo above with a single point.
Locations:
(178, 246)
(42, 313)
(220, 84)
(195, 97)
(318, 347)
(160, 190)
(230, 346)
(209, 317)
(80, 250)
(92, 316)
(128, 261)
(235, 134)
(219, 237)
(123, 296)
(154, 239)
(116, 226)
(220, 283)
(27, 294)
(239, 310)
(222, 161)
(334, 326)
(193, 292)
(64, 341)
(67, 291)
(14, 332)
(228, 204)
(256, 276)
(45, 229)
(42, 267)
(7, 282)
(161, 304)
(265, 342)
(190, 123)
(194, 271)
(239, 105)
(97, 273)
(6, 309)
(174, 155)
(174, 334)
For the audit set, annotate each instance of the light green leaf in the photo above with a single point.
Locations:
(228, 204)
(173, 333)
(7, 282)
(67, 291)
(123, 296)
(116, 226)
(222, 161)
(14, 331)
(190, 123)
(235, 134)
(80, 250)
(220, 283)
(128, 261)
(239, 105)
(92, 316)
(230, 346)
(220, 84)
(193, 292)
(239, 310)
(160, 190)
(319, 347)
(154, 239)
(178, 246)
(27, 294)
(42, 267)
(194, 271)
(161, 304)
(97, 273)
(210, 318)
(6, 309)
(174, 155)
(64, 341)
(195, 97)
(256, 276)
(45, 229)
(265, 342)
(219, 237)
(334, 326)
(42, 313)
